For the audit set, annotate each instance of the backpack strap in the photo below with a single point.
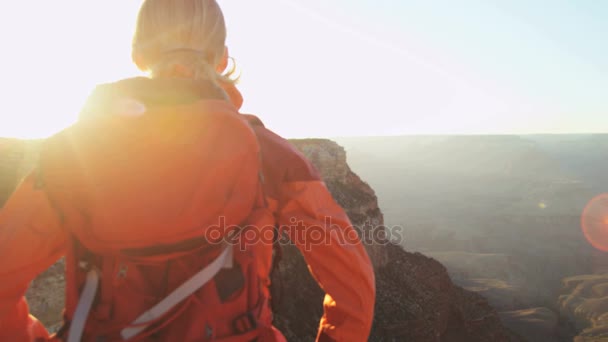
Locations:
(224, 260)
(84, 306)
(87, 297)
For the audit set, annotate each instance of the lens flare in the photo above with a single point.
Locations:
(594, 222)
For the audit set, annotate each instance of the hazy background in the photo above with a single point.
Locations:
(503, 214)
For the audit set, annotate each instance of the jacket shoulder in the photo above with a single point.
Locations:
(280, 156)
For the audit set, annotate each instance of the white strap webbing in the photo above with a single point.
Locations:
(85, 302)
(84, 306)
(224, 260)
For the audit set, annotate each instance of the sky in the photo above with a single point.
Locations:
(319, 68)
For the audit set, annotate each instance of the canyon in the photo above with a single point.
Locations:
(502, 213)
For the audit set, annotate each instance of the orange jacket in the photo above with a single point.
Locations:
(33, 235)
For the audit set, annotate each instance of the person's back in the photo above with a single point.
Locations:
(164, 199)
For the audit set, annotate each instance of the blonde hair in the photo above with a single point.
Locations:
(188, 34)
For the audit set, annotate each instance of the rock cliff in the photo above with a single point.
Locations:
(585, 303)
(416, 300)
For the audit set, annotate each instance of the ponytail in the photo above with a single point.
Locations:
(185, 63)
(182, 38)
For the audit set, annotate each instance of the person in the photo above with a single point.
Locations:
(132, 192)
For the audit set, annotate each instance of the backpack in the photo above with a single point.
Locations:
(189, 261)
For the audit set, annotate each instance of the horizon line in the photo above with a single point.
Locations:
(393, 135)
(461, 135)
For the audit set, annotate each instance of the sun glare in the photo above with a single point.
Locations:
(594, 222)
(55, 64)
(354, 59)
(31, 118)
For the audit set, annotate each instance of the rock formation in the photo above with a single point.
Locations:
(585, 303)
(535, 324)
(348, 190)
(416, 300)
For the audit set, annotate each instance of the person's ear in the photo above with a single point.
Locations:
(221, 67)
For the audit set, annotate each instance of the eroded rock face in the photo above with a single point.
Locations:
(349, 191)
(585, 303)
(416, 300)
(534, 324)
